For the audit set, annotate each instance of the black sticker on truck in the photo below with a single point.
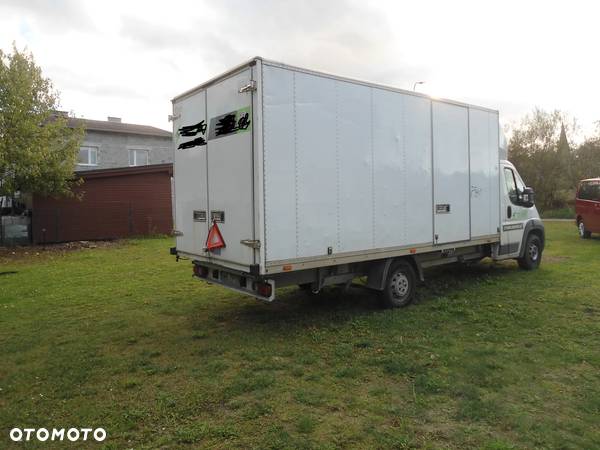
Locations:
(193, 143)
(192, 130)
(231, 123)
(442, 208)
(224, 125)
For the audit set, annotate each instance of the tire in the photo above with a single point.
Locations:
(583, 232)
(400, 284)
(307, 289)
(532, 256)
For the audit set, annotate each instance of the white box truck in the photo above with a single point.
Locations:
(288, 176)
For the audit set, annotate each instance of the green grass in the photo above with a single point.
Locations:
(562, 213)
(123, 338)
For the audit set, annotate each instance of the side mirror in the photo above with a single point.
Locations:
(527, 197)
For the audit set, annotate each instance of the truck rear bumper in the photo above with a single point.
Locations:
(241, 282)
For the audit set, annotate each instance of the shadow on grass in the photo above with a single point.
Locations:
(444, 280)
(297, 309)
(8, 272)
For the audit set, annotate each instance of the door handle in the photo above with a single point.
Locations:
(509, 211)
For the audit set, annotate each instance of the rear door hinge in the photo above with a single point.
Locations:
(252, 243)
(250, 87)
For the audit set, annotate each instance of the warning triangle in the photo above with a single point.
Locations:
(214, 240)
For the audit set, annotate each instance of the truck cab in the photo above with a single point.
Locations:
(522, 235)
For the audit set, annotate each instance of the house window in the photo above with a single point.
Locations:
(138, 157)
(88, 156)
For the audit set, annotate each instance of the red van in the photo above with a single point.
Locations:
(587, 207)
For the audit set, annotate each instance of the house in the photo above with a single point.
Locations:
(111, 203)
(127, 177)
(110, 144)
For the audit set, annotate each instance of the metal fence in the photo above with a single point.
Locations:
(15, 230)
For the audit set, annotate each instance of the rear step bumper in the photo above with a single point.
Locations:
(240, 282)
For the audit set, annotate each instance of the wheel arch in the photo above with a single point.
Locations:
(379, 270)
(535, 227)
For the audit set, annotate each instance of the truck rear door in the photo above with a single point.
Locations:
(230, 167)
(191, 196)
(213, 138)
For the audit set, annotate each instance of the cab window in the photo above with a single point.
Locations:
(520, 184)
(511, 185)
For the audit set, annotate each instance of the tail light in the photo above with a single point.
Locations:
(264, 289)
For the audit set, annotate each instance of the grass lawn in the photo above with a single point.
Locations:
(123, 338)
(563, 213)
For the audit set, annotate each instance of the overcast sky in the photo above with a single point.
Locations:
(129, 58)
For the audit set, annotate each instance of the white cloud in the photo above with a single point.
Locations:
(129, 58)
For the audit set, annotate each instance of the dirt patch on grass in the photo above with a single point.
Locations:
(555, 258)
(8, 254)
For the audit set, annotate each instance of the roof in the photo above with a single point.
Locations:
(119, 127)
(251, 62)
(119, 171)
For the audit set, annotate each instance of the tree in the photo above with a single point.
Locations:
(38, 150)
(587, 157)
(565, 156)
(540, 149)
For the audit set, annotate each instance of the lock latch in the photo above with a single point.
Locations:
(252, 243)
(250, 87)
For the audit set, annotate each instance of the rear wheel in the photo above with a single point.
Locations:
(532, 257)
(583, 231)
(307, 288)
(399, 289)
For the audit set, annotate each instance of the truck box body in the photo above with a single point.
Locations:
(301, 169)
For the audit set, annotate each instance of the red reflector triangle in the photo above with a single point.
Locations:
(214, 239)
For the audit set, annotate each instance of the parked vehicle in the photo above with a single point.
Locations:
(587, 207)
(287, 176)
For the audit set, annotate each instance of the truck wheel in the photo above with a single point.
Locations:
(307, 289)
(532, 257)
(399, 286)
(583, 232)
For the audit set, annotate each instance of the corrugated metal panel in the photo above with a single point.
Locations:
(122, 205)
(418, 173)
(315, 111)
(279, 164)
(230, 169)
(451, 172)
(355, 167)
(389, 201)
(349, 166)
(485, 161)
(346, 166)
(190, 180)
